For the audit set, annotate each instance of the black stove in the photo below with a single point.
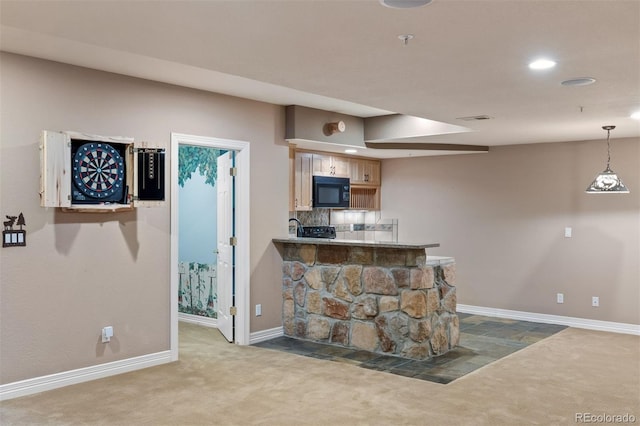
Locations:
(317, 232)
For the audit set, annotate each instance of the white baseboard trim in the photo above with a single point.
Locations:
(261, 336)
(196, 319)
(614, 327)
(255, 337)
(72, 377)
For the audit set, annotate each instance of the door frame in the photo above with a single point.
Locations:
(242, 212)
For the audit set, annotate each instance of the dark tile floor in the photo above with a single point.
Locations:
(483, 340)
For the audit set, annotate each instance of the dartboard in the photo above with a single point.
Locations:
(98, 171)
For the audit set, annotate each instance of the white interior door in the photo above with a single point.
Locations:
(225, 249)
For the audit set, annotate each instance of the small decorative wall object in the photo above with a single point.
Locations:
(14, 237)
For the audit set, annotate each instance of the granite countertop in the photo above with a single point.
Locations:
(355, 243)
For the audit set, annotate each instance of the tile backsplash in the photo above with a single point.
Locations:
(320, 217)
(363, 225)
(315, 217)
(350, 224)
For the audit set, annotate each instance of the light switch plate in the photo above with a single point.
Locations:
(107, 334)
(567, 232)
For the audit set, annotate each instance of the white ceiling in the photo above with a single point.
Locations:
(467, 58)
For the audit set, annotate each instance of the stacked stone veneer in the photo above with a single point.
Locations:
(385, 300)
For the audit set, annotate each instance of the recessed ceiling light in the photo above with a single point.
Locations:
(582, 81)
(635, 115)
(404, 4)
(542, 64)
(350, 151)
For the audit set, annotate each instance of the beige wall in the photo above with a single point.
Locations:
(80, 272)
(502, 216)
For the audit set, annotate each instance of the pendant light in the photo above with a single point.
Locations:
(608, 181)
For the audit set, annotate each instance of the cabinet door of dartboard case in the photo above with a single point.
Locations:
(149, 181)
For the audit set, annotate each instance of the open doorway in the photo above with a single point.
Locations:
(210, 264)
(205, 224)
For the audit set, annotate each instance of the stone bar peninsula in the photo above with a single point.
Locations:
(383, 297)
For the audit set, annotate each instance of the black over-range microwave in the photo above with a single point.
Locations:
(331, 192)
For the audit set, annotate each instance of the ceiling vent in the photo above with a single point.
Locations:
(582, 81)
(475, 118)
(404, 4)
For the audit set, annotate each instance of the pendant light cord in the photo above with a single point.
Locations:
(608, 149)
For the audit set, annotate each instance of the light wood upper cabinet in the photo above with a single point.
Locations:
(340, 166)
(330, 165)
(364, 172)
(303, 181)
(292, 178)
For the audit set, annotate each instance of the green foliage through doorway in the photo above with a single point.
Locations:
(203, 159)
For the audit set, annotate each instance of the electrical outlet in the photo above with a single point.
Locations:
(595, 301)
(560, 298)
(567, 232)
(258, 310)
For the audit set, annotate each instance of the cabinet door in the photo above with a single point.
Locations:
(55, 162)
(340, 166)
(303, 181)
(321, 165)
(356, 171)
(365, 172)
(329, 165)
(292, 178)
(148, 175)
(372, 172)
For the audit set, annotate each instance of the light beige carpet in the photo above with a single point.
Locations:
(216, 383)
